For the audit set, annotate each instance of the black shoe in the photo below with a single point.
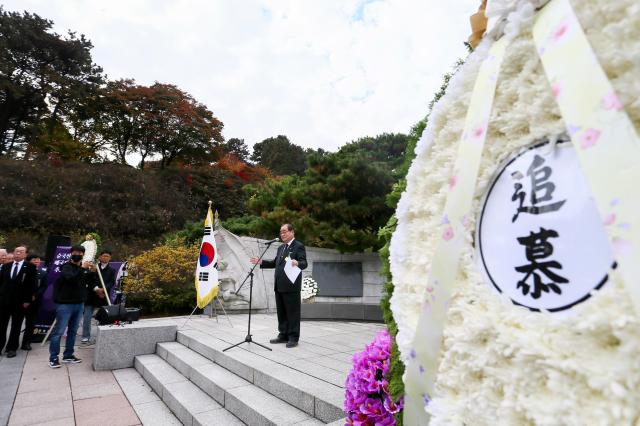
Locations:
(55, 363)
(71, 360)
(277, 340)
(292, 344)
(11, 354)
(26, 347)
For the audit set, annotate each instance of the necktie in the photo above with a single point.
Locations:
(284, 252)
(15, 270)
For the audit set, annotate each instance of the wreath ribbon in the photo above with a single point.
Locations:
(421, 370)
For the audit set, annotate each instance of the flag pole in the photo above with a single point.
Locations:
(216, 223)
(212, 227)
(190, 315)
(212, 304)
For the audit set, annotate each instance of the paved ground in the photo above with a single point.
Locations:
(33, 394)
(325, 349)
(72, 394)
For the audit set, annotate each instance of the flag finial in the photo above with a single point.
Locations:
(210, 202)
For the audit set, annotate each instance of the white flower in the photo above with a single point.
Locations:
(501, 364)
(309, 288)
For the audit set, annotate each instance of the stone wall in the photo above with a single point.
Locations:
(234, 265)
(372, 281)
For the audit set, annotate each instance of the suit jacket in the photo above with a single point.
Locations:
(295, 251)
(109, 278)
(42, 277)
(20, 289)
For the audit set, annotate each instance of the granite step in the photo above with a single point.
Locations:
(318, 398)
(145, 402)
(248, 402)
(191, 405)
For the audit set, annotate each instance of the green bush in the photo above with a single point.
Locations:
(161, 280)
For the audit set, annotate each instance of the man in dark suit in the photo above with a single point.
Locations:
(287, 293)
(18, 283)
(31, 312)
(95, 293)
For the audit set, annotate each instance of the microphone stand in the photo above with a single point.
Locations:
(249, 276)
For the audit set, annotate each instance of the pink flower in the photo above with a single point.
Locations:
(367, 400)
(611, 218)
(611, 101)
(390, 406)
(589, 138)
(447, 234)
(555, 90)
(478, 132)
(560, 31)
(453, 180)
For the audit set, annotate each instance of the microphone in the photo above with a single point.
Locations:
(275, 240)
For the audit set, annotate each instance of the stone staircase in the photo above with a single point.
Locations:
(202, 385)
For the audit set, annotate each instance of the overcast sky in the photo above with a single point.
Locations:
(322, 72)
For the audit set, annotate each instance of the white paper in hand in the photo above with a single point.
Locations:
(291, 271)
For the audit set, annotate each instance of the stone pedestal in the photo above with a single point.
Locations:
(116, 346)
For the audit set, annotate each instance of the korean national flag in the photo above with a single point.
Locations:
(207, 270)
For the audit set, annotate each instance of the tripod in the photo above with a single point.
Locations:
(249, 276)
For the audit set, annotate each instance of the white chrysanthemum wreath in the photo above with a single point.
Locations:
(309, 288)
(500, 363)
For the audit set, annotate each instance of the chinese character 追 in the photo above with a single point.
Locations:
(541, 190)
(538, 248)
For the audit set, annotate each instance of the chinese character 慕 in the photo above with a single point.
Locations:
(537, 249)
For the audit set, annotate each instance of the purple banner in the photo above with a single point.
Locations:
(47, 309)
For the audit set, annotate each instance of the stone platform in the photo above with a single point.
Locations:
(192, 381)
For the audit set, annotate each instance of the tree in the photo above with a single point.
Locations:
(238, 148)
(387, 150)
(185, 128)
(128, 207)
(339, 202)
(280, 156)
(159, 120)
(43, 76)
(120, 114)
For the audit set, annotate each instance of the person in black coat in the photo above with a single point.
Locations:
(18, 283)
(69, 294)
(287, 293)
(95, 293)
(32, 311)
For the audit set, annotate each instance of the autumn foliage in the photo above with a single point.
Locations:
(161, 280)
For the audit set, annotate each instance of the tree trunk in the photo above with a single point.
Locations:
(13, 140)
(52, 120)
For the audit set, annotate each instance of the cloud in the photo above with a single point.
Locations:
(321, 72)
